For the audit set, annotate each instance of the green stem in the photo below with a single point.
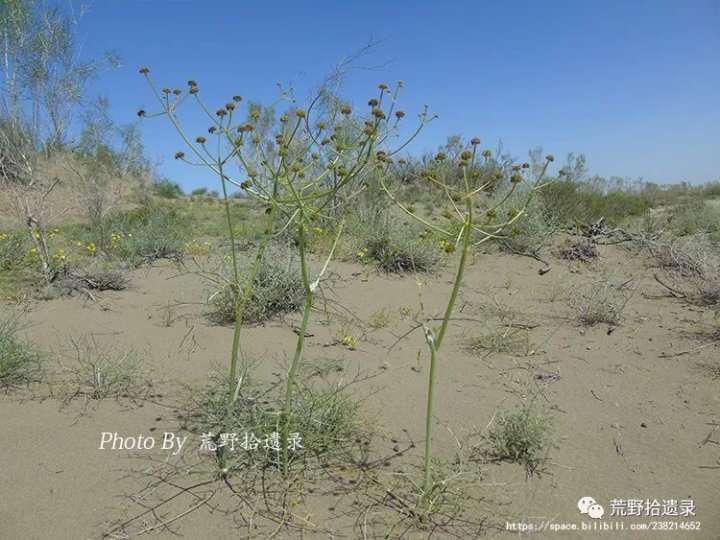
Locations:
(295, 365)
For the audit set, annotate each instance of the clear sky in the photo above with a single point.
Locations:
(635, 85)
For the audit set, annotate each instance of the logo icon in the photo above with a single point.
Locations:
(588, 505)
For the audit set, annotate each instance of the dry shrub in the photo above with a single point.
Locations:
(582, 250)
(601, 302)
(692, 268)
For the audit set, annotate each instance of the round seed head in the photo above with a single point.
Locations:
(221, 112)
(550, 157)
(193, 90)
(475, 141)
(212, 129)
(284, 118)
(487, 154)
(230, 106)
(440, 156)
(346, 110)
(177, 91)
(141, 113)
(321, 125)
(246, 184)
(179, 155)
(466, 155)
(300, 113)
(237, 99)
(399, 114)
(200, 140)
(166, 91)
(144, 70)
(378, 113)
(516, 178)
(383, 86)
(526, 165)
(373, 102)
(192, 82)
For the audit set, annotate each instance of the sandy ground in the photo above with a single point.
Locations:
(631, 421)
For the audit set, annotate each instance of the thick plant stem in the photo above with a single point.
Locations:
(435, 341)
(300, 345)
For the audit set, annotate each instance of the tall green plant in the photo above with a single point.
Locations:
(306, 173)
(463, 199)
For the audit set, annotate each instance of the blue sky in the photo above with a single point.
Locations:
(633, 85)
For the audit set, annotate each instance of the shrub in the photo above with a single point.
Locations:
(568, 202)
(19, 364)
(199, 191)
(695, 218)
(520, 437)
(147, 234)
(324, 416)
(167, 190)
(277, 289)
(530, 233)
(13, 248)
(100, 372)
(599, 303)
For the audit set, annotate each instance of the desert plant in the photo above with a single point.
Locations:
(508, 340)
(19, 363)
(276, 289)
(601, 302)
(520, 436)
(463, 199)
(166, 189)
(13, 248)
(582, 250)
(99, 371)
(304, 175)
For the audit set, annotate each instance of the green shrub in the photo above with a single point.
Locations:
(568, 203)
(277, 289)
(520, 437)
(13, 248)
(146, 234)
(19, 364)
(167, 190)
(199, 191)
(696, 217)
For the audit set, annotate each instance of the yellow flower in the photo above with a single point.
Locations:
(91, 247)
(350, 342)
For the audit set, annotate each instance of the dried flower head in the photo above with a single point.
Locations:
(193, 90)
(346, 110)
(515, 178)
(212, 129)
(246, 184)
(179, 155)
(383, 86)
(399, 114)
(144, 70)
(192, 82)
(141, 113)
(321, 125)
(516, 167)
(166, 90)
(475, 141)
(245, 128)
(177, 91)
(200, 140)
(550, 157)
(526, 165)
(230, 106)
(221, 112)
(300, 113)
(440, 156)
(487, 154)
(237, 99)
(378, 113)
(284, 118)
(466, 155)
(373, 102)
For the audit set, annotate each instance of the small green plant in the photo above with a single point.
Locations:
(13, 249)
(276, 289)
(509, 340)
(519, 436)
(380, 319)
(19, 363)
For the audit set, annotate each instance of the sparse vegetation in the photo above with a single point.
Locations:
(601, 302)
(19, 363)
